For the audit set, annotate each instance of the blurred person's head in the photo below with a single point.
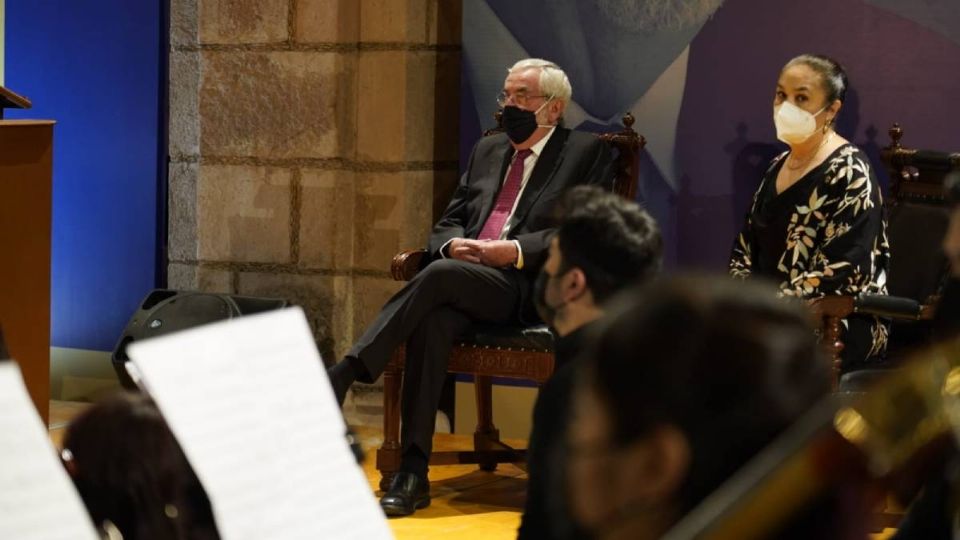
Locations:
(604, 244)
(685, 381)
(130, 472)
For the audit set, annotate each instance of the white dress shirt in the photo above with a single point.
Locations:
(528, 165)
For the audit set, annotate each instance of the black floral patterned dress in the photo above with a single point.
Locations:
(825, 234)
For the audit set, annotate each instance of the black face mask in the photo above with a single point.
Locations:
(518, 123)
(547, 312)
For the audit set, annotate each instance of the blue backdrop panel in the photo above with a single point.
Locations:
(95, 68)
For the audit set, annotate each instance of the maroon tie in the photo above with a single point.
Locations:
(505, 200)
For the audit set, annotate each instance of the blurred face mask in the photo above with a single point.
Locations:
(794, 125)
(546, 309)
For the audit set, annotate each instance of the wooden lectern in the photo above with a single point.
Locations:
(26, 176)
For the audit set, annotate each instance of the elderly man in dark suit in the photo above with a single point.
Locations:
(486, 251)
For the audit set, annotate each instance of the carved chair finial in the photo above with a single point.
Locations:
(896, 133)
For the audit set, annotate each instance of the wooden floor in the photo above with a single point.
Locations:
(467, 502)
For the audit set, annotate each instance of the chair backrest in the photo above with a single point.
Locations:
(626, 145)
(917, 214)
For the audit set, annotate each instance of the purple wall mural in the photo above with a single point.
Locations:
(699, 75)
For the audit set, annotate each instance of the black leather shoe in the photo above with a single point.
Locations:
(407, 494)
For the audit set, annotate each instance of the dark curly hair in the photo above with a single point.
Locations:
(612, 240)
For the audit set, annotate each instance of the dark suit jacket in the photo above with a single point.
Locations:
(546, 514)
(570, 158)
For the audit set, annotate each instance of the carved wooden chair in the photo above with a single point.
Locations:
(917, 217)
(489, 351)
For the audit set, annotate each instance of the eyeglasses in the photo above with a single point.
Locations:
(519, 99)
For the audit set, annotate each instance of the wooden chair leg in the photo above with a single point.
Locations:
(388, 456)
(834, 346)
(486, 436)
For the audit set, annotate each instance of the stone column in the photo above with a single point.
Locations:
(308, 142)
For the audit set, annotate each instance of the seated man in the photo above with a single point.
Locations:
(603, 245)
(486, 249)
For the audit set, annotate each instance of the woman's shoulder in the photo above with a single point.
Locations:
(846, 164)
(847, 151)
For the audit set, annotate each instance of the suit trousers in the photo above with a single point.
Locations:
(428, 314)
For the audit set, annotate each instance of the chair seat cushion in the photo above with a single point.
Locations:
(537, 338)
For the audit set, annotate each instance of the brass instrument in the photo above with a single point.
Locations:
(904, 427)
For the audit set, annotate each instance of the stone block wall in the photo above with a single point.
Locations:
(309, 140)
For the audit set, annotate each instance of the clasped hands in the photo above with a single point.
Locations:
(494, 253)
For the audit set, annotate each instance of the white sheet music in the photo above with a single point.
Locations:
(249, 401)
(37, 498)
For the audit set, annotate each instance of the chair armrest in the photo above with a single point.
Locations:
(881, 305)
(407, 263)
(929, 308)
(892, 307)
(832, 306)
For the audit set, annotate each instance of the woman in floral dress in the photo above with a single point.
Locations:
(817, 226)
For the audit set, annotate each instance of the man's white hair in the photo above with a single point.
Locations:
(553, 81)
